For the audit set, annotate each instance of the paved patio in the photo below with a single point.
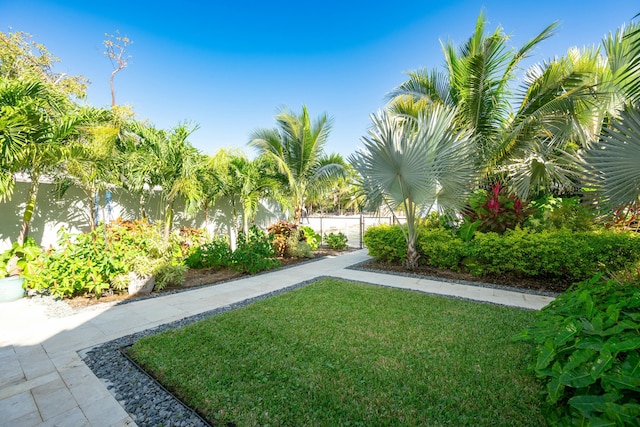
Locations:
(43, 380)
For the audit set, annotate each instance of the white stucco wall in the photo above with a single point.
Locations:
(72, 212)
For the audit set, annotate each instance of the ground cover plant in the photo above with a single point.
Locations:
(587, 354)
(340, 353)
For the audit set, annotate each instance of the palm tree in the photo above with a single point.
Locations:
(91, 164)
(534, 145)
(297, 147)
(136, 161)
(476, 81)
(174, 166)
(614, 160)
(38, 123)
(414, 164)
(245, 183)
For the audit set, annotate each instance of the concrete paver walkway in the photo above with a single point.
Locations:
(43, 380)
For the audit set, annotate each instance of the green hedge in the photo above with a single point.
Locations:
(386, 243)
(562, 254)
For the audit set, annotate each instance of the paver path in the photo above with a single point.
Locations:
(43, 380)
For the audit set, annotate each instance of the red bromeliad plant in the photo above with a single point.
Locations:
(496, 210)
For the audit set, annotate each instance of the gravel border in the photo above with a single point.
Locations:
(146, 401)
(362, 266)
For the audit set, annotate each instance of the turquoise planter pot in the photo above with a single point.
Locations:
(11, 289)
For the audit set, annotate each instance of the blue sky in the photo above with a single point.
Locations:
(229, 66)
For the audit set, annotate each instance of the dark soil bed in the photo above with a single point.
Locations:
(540, 284)
(194, 278)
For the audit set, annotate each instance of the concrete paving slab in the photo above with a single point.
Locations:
(74, 417)
(21, 407)
(35, 361)
(53, 399)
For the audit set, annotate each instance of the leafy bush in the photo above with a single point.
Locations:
(255, 252)
(496, 210)
(90, 264)
(170, 274)
(297, 247)
(311, 237)
(81, 266)
(561, 254)
(19, 258)
(336, 241)
(386, 243)
(214, 254)
(587, 354)
(281, 232)
(555, 213)
(564, 255)
(440, 248)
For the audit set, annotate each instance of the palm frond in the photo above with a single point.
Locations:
(615, 160)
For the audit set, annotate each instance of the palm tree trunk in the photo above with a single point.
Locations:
(412, 255)
(93, 202)
(28, 210)
(168, 220)
(143, 211)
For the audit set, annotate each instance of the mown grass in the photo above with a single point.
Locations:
(337, 353)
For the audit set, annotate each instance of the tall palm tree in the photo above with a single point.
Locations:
(415, 163)
(38, 123)
(477, 81)
(297, 147)
(533, 144)
(136, 161)
(91, 164)
(174, 164)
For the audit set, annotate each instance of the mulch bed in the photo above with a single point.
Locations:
(541, 284)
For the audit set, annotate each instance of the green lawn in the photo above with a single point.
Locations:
(337, 353)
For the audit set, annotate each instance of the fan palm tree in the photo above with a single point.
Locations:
(297, 147)
(614, 159)
(415, 163)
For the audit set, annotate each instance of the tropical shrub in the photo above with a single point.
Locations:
(255, 252)
(281, 232)
(19, 258)
(336, 241)
(560, 255)
(587, 354)
(170, 274)
(311, 237)
(386, 243)
(556, 213)
(440, 248)
(98, 261)
(297, 247)
(496, 210)
(83, 265)
(214, 254)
